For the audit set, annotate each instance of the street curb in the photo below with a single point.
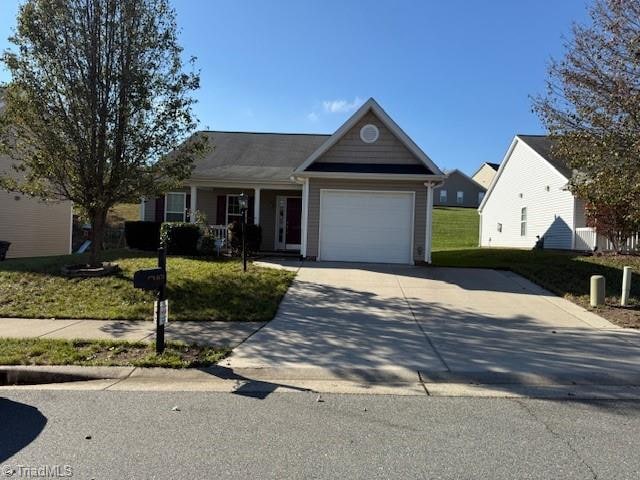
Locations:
(36, 374)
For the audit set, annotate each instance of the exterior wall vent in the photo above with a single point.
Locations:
(369, 133)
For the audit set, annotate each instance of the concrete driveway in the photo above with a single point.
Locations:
(384, 322)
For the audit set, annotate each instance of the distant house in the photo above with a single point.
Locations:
(459, 190)
(484, 175)
(33, 227)
(529, 199)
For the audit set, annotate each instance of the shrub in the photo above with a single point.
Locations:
(254, 238)
(207, 245)
(180, 238)
(142, 235)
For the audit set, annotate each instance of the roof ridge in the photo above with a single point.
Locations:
(265, 133)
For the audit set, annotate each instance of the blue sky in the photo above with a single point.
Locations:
(455, 75)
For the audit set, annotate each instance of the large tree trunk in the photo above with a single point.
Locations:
(98, 225)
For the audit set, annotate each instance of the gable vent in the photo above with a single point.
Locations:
(369, 133)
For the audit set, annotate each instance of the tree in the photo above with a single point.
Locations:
(592, 112)
(98, 106)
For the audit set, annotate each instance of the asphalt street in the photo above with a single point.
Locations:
(108, 435)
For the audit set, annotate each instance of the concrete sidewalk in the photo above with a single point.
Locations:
(222, 334)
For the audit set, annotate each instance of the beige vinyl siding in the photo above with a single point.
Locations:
(485, 175)
(150, 210)
(315, 185)
(387, 149)
(527, 180)
(34, 228)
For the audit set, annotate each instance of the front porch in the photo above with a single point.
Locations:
(276, 208)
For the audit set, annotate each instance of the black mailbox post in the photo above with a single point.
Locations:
(156, 279)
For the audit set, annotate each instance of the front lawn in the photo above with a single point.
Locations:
(39, 351)
(198, 289)
(563, 273)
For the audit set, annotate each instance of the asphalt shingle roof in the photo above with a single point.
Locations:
(542, 144)
(248, 156)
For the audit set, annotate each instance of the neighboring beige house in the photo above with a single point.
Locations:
(458, 190)
(33, 227)
(363, 194)
(484, 175)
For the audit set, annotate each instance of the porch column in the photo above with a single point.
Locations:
(428, 227)
(256, 205)
(304, 219)
(142, 208)
(194, 204)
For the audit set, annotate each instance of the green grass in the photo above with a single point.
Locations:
(38, 351)
(563, 273)
(455, 228)
(198, 289)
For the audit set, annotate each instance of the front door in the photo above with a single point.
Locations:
(288, 223)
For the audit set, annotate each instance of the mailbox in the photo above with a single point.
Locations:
(150, 278)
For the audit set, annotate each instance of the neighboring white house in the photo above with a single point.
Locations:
(528, 198)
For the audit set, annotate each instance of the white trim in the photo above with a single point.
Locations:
(226, 210)
(194, 205)
(71, 229)
(212, 183)
(497, 175)
(370, 176)
(256, 205)
(504, 162)
(375, 129)
(184, 205)
(284, 245)
(412, 193)
(142, 208)
(305, 217)
(373, 106)
(428, 228)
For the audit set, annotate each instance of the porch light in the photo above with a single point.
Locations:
(243, 202)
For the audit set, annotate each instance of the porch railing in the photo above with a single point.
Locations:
(221, 235)
(587, 239)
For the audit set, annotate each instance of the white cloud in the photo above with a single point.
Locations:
(312, 117)
(341, 105)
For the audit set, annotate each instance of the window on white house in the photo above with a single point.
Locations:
(460, 198)
(480, 197)
(499, 227)
(233, 209)
(523, 222)
(443, 196)
(176, 205)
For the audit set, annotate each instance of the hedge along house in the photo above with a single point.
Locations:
(363, 194)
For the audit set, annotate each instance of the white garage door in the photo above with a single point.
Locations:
(367, 226)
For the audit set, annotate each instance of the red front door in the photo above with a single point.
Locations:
(294, 214)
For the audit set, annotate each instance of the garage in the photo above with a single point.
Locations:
(366, 226)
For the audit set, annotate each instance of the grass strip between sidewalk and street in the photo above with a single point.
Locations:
(39, 351)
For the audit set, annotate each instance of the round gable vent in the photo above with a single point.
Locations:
(369, 133)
